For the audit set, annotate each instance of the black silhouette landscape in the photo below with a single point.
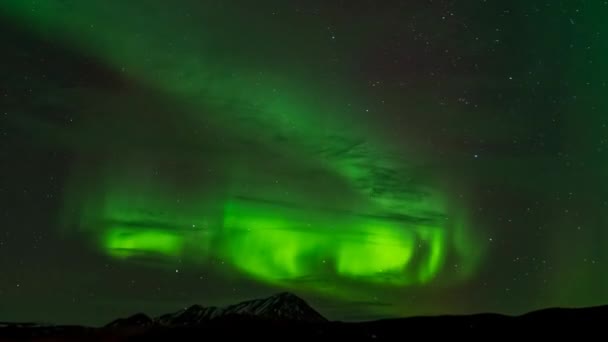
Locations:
(288, 317)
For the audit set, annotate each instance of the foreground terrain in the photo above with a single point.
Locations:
(288, 317)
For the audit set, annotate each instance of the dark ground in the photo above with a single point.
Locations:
(550, 321)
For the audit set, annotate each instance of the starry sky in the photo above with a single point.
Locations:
(377, 158)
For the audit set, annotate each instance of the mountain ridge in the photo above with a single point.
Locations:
(286, 316)
(284, 306)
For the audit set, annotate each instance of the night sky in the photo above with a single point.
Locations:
(377, 158)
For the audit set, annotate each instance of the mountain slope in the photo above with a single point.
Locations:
(245, 321)
(284, 306)
(137, 320)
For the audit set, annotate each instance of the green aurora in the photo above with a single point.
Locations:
(351, 229)
(377, 158)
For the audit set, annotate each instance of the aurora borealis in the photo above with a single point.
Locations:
(379, 159)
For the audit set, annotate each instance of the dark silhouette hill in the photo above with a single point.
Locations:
(288, 317)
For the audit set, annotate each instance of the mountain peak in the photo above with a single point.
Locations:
(192, 315)
(283, 306)
(286, 296)
(137, 320)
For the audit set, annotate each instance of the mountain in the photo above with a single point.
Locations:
(193, 315)
(282, 306)
(288, 317)
(137, 320)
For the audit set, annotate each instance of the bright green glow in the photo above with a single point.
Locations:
(435, 239)
(283, 183)
(277, 245)
(383, 250)
(125, 242)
